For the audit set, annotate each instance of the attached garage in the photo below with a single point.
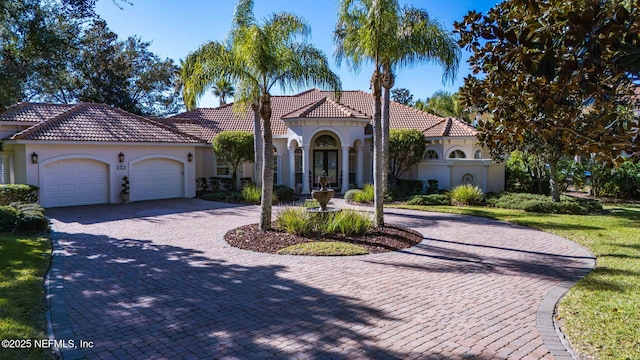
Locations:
(72, 182)
(156, 178)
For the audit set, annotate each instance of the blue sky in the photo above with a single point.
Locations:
(177, 28)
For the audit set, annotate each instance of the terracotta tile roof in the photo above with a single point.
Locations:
(98, 122)
(326, 108)
(310, 104)
(34, 112)
(450, 127)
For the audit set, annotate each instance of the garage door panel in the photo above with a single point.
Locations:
(157, 178)
(73, 182)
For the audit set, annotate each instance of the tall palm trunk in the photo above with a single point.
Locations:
(267, 163)
(257, 143)
(378, 169)
(388, 80)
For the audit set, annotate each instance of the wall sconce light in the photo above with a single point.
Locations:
(190, 157)
(34, 158)
(121, 157)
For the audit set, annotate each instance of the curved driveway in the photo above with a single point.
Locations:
(155, 280)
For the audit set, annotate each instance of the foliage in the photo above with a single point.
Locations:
(350, 194)
(251, 193)
(621, 180)
(466, 194)
(298, 221)
(432, 186)
(311, 203)
(256, 57)
(283, 193)
(233, 148)
(202, 184)
(544, 204)
(125, 185)
(595, 312)
(324, 248)
(24, 261)
(431, 199)
(406, 148)
(404, 188)
(224, 196)
(382, 33)
(366, 196)
(223, 88)
(402, 96)
(18, 193)
(444, 103)
(8, 218)
(31, 219)
(554, 74)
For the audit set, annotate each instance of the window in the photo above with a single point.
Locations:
(353, 165)
(477, 154)
(223, 170)
(275, 165)
(457, 154)
(430, 154)
(325, 141)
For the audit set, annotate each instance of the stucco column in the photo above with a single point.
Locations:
(360, 169)
(485, 178)
(292, 166)
(345, 169)
(305, 169)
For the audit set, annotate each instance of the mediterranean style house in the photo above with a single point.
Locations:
(79, 154)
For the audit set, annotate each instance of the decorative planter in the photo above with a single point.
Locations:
(124, 198)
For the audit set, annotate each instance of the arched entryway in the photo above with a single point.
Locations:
(326, 158)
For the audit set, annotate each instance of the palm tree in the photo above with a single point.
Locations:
(256, 57)
(223, 88)
(378, 31)
(360, 37)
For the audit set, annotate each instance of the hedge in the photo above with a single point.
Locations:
(18, 193)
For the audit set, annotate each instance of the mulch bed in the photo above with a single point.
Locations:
(388, 238)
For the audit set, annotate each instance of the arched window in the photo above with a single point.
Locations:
(457, 154)
(430, 154)
(477, 154)
(326, 141)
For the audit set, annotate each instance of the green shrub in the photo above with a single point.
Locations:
(251, 194)
(8, 218)
(466, 195)
(311, 203)
(284, 193)
(349, 196)
(432, 199)
(295, 221)
(432, 186)
(544, 204)
(28, 207)
(223, 196)
(31, 221)
(346, 222)
(366, 195)
(18, 193)
(301, 222)
(405, 188)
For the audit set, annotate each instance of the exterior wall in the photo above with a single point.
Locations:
(489, 176)
(204, 161)
(107, 153)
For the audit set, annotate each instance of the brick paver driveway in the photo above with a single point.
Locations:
(154, 280)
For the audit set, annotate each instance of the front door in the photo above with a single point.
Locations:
(325, 160)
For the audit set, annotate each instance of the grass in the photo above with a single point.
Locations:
(601, 312)
(24, 261)
(298, 221)
(324, 248)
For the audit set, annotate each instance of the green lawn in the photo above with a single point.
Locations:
(602, 312)
(24, 261)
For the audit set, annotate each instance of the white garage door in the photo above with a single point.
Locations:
(156, 178)
(74, 182)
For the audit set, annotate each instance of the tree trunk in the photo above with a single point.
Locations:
(267, 164)
(387, 84)
(553, 180)
(378, 169)
(257, 145)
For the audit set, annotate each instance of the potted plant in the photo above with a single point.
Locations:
(124, 193)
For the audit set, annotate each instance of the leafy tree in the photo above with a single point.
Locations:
(382, 33)
(37, 42)
(406, 148)
(257, 57)
(555, 74)
(124, 74)
(444, 103)
(233, 148)
(402, 96)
